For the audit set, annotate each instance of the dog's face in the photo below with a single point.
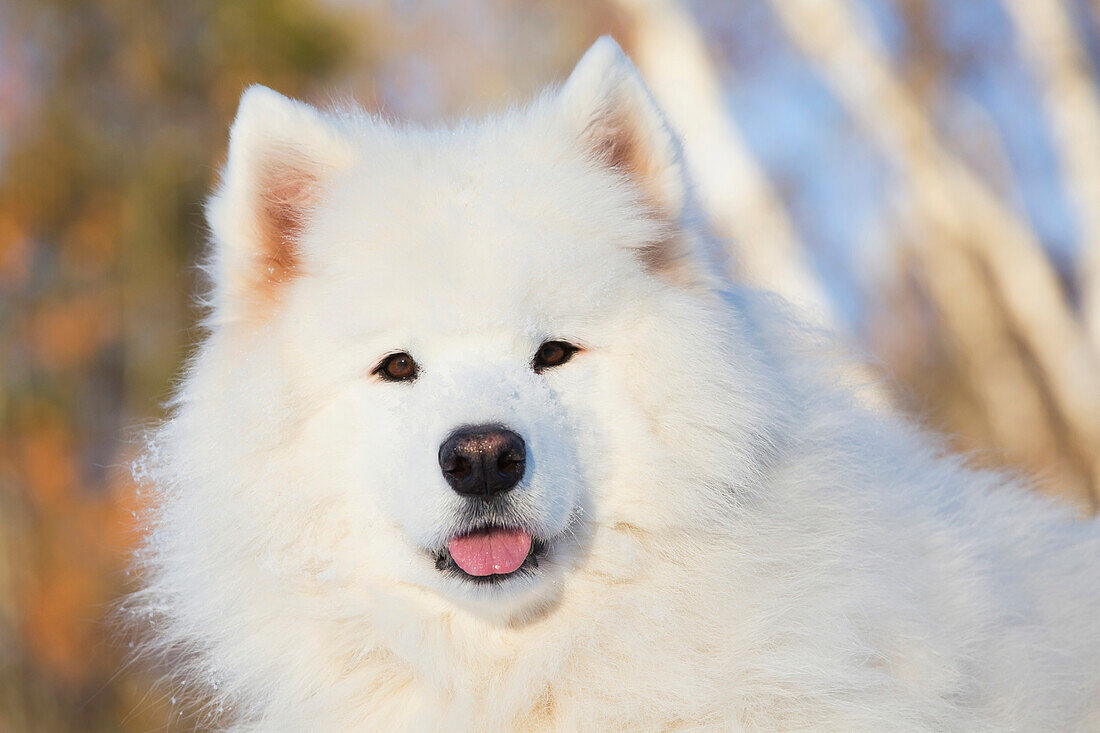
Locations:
(453, 309)
(464, 348)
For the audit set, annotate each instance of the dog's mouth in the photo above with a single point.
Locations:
(490, 554)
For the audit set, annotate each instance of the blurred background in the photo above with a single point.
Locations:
(922, 176)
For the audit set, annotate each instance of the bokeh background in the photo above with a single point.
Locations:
(922, 176)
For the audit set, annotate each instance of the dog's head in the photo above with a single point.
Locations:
(430, 343)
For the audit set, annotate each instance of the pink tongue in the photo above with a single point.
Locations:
(494, 551)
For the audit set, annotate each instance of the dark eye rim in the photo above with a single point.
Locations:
(569, 350)
(381, 371)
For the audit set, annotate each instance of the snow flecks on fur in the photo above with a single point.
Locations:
(734, 542)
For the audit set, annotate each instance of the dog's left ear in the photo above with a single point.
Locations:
(609, 106)
(281, 152)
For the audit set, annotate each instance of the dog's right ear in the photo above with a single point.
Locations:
(280, 153)
(617, 120)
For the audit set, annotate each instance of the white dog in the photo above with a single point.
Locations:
(478, 440)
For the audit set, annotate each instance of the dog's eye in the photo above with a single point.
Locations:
(397, 368)
(553, 353)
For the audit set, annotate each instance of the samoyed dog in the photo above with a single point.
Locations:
(478, 439)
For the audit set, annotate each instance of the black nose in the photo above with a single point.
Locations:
(483, 460)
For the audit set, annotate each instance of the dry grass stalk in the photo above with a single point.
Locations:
(1049, 41)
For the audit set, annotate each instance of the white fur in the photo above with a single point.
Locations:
(738, 544)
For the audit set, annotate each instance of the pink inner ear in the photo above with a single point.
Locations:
(614, 143)
(618, 139)
(285, 202)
